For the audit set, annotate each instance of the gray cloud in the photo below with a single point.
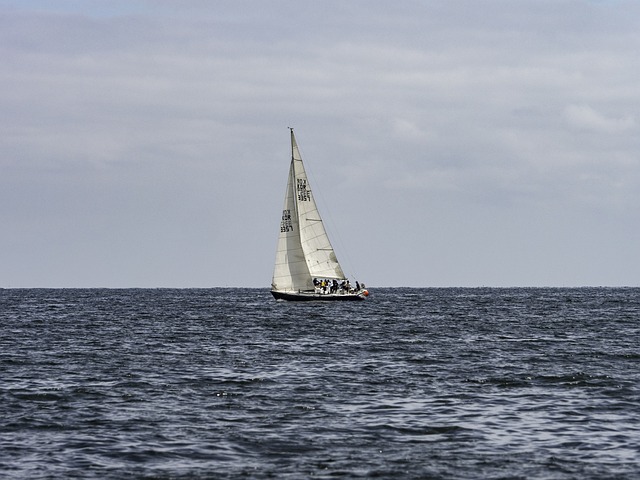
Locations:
(454, 143)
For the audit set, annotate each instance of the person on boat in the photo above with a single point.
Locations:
(357, 286)
(316, 282)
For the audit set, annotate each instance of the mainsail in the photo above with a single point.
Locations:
(304, 251)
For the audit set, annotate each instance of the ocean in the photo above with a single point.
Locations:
(450, 383)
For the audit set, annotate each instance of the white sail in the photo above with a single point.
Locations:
(304, 251)
(290, 271)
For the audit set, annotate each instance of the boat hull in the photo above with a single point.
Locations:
(322, 297)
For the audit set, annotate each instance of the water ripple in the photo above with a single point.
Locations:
(413, 383)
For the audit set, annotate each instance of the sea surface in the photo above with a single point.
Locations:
(228, 383)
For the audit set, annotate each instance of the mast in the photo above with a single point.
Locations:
(292, 172)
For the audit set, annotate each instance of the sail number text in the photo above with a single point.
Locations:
(285, 224)
(304, 194)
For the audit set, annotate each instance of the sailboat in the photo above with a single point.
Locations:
(306, 267)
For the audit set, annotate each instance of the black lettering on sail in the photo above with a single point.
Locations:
(286, 225)
(304, 194)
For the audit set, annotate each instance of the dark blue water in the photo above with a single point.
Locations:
(228, 383)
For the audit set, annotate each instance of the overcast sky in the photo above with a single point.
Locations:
(450, 143)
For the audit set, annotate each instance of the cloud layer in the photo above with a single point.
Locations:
(453, 143)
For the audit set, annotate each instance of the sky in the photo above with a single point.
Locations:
(452, 143)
